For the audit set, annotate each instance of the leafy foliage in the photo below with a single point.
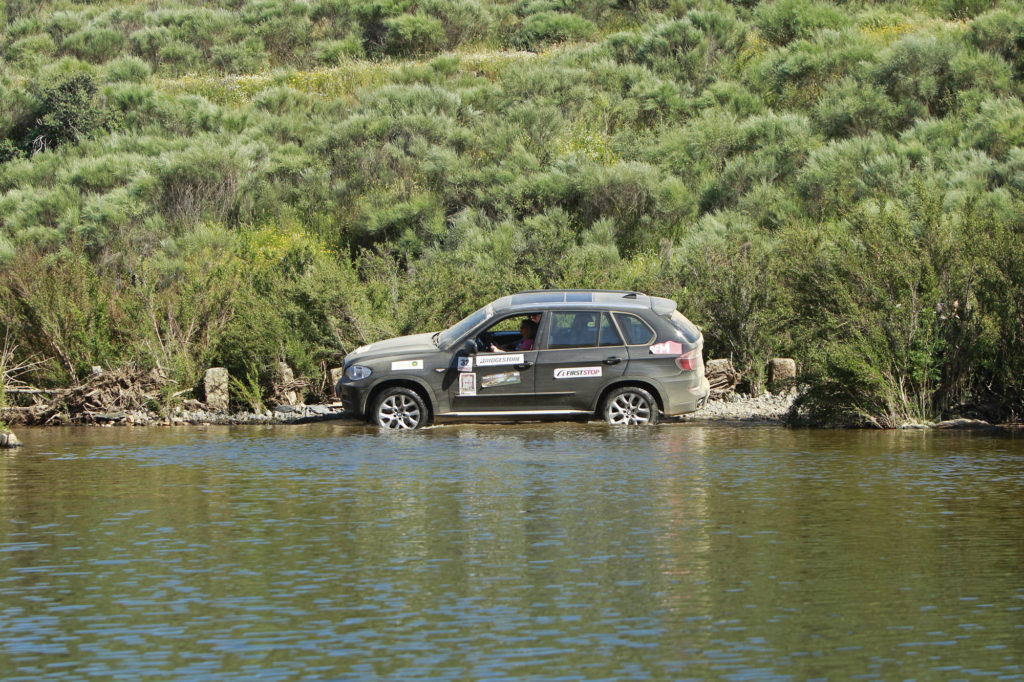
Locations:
(240, 183)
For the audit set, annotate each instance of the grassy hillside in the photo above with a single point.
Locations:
(188, 184)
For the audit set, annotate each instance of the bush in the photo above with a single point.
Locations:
(879, 296)
(128, 69)
(853, 109)
(200, 182)
(917, 73)
(1001, 31)
(28, 52)
(545, 28)
(96, 45)
(784, 21)
(335, 52)
(735, 287)
(246, 57)
(413, 34)
(68, 111)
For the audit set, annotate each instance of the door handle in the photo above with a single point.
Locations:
(612, 360)
(524, 365)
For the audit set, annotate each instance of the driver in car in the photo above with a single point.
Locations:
(528, 330)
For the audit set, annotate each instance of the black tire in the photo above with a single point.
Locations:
(630, 405)
(399, 408)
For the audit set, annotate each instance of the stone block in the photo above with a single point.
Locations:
(781, 373)
(216, 384)
(718, 366)
(336, 374)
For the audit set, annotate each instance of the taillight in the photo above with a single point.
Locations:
(689, 361)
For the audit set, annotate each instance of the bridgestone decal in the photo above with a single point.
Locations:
(577, 372)
(499, 359)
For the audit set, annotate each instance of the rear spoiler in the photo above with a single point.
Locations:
(662, 306)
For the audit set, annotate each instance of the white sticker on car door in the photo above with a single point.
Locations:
(500, 359)
(467, 384)
(577, 372)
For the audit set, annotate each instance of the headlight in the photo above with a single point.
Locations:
(357, 372)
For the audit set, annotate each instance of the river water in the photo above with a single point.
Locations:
(541, 551)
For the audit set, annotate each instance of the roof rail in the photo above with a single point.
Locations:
(596, 291)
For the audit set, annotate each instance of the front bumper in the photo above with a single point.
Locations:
(352, 397)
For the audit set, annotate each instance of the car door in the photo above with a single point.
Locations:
(493, 382)
(580, 352)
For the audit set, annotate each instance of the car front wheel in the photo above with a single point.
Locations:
(399, 408)
(630, 405)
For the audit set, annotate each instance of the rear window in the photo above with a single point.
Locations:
(636, 331)
(688, 329)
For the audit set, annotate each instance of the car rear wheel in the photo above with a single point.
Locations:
(630, 405)
(399, 408)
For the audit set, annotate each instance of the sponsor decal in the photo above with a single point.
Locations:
(499, 359)
(499, 379)
(667, 348)
(577, 372)
(406, 364)
(465, 364)
(467, 384)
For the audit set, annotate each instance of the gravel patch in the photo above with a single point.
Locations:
(768, 407)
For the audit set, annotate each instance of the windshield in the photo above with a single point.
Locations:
(459, 329)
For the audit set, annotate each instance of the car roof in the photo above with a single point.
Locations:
(575, 298)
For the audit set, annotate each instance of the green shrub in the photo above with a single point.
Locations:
(96, 45)
(735, 287)
(65, 311)
(784, 21)
(544, 28)
(128, 69)
(463, 21)
(832, 179)
(917, 74)
(68, 111)
(413, 34)
(851, 108)
(200, 182)
(148, 42)
(29, 51)
(1001, 31)
(245, 57)
(335, 52)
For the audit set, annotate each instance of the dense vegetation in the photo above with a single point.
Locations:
(186, 184)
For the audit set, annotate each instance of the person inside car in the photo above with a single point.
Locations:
(528, 330)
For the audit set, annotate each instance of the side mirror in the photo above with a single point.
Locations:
(470, 347)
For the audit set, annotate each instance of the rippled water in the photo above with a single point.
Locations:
(554, 551)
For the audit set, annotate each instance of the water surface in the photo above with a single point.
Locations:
(554, 551)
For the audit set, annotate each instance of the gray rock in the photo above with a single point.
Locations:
(216, 384)
(336, 374)
(9, 440)
(781, 371)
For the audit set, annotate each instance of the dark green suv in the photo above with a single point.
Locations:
(623, 355)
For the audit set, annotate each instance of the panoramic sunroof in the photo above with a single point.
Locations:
(538, 297)
(577, 296)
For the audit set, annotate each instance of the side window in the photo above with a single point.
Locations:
(573, 330)
(637, 331)
(609, 335)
